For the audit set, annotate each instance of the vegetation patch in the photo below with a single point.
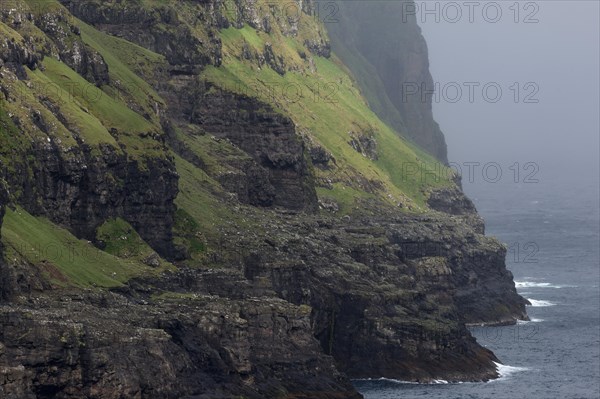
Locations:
(79, 263)
(328, 106)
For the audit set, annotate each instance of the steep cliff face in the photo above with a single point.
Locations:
(3, 202)
(269, 137)
(203, 184)
(103, 346)
(187, 37)
(382, 44)
(368, 282)
(69, 152)
(85, 190)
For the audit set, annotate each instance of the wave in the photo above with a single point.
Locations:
(534, 320)
(531, 284)
(434, 382)
(537, 303)
(506, 371)
(503, 370)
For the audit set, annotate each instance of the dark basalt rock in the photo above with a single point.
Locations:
(71, 48)
(80, 189)
(266, 136)
(15, 55)
(16, 277)
(365, 144)
(250, 184)
(321, 47)
(389, 294)
(104, 346)
(146, 27)
(3, 200)
(62, 39)
(320, 157)
(276, 63)
(453, 201)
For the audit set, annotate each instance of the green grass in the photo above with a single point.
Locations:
(125, 109)
(329, 107)
(216, 154)
(28, 97)
(66, 260)
(112, 112)
(344, 196)
(197, 196)
(9, 34)
(127, 63)
(65, 88)
(96, 113)
(204, 213)
(10, 142)
(121, 240)
(255, 39)
(188, 233)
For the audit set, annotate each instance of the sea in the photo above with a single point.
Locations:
(550, 224)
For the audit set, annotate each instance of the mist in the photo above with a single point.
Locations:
(544, 56)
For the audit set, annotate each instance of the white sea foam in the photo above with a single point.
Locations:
(506, 371)
(387, 380)
(529, 321)
(529, 284)
(533, 284)
(434, 382)
(537, 303)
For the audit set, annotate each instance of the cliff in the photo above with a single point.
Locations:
(198, 202)
(382, 44)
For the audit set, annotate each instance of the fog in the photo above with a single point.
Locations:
(545, 60)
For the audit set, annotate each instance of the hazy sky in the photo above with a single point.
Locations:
(553, 59)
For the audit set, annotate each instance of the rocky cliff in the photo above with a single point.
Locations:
(198, 202)
(383, 46)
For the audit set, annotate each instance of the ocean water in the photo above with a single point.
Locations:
(552, 230)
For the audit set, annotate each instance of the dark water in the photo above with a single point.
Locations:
(552, 228)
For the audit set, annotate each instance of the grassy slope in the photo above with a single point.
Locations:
(80, 111)
(128, 63)
(328, 105)
(89, 113)
(78, 262)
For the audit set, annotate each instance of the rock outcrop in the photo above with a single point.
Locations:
(269, 137)
(145, 27)
(82, 189)
(104, 346)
